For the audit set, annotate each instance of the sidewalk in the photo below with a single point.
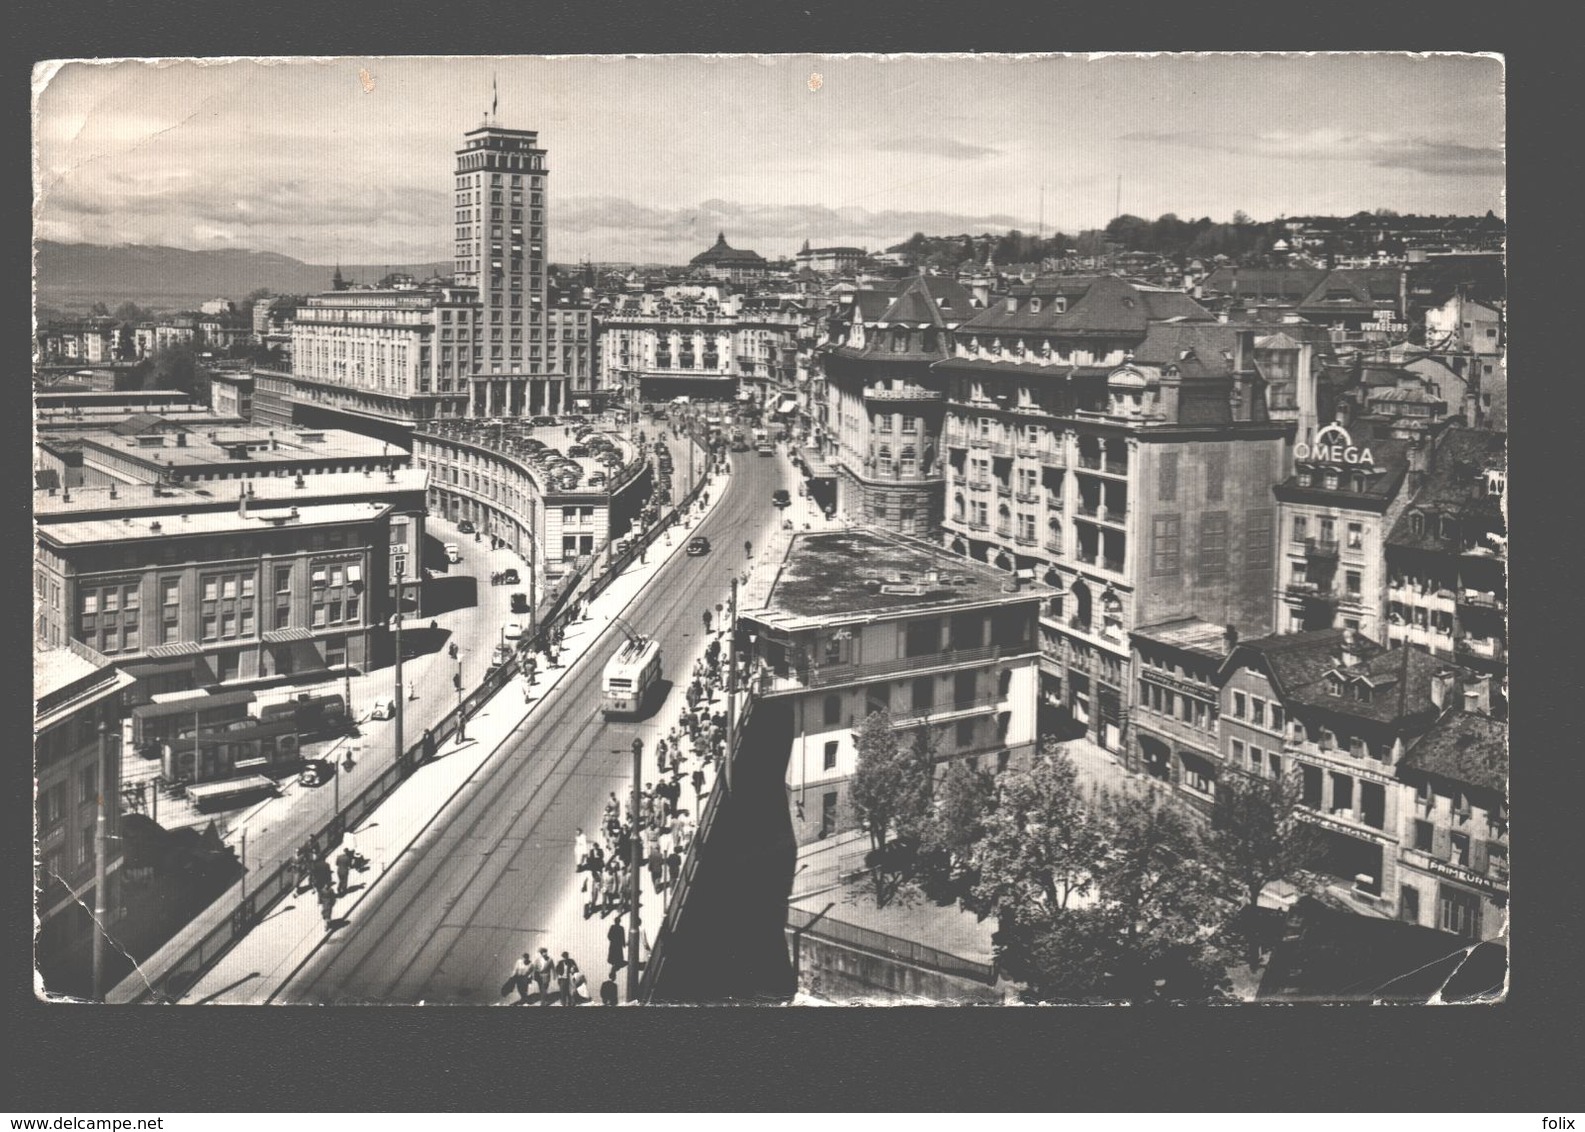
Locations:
(258, 964)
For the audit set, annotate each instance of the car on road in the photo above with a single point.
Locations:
(765, 449)
(577, 451)
(500, 655)
(384, 708)
(698, 545)
(453, 552)
(519, 603)
(542, 422)
(509, 576)
(465, 526)
(781, 498)
(513, 631)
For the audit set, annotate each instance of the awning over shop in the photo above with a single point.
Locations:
(820, 469)
(180, 648)
(287, 636)
(191, 704)
(147, 669)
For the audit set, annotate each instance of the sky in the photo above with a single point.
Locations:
(351, 159)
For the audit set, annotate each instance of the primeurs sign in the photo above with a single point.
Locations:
(1333, 445)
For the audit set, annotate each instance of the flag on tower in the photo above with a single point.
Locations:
(495, 96)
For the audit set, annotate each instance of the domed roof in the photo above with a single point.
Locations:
(723, 254)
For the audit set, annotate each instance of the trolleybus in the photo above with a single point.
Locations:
(630, 675)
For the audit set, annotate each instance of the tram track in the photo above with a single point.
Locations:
(495, 855)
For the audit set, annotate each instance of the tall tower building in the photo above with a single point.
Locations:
(500, 252)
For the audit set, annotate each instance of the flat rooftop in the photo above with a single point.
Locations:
(85, 532)
(1188, 633)
(55, 668)
(862, 573)
(214, 445)
(268, 491)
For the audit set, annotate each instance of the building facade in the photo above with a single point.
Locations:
(76, 690)
(886, 406)
(290, 575)
(395, 355)
(862, 620)
(1335, 512)
(1126, 461)
(1446, 556)
(480, 474)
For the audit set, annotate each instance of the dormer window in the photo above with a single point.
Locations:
(1331, 481)
(1034, 306)
(1334, 687)
(1012, 303)
(1417, 523)
(1304, 478)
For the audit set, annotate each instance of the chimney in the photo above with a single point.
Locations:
(1477, 694)
(1230, 638)
(298, 482)
(112, 491)
(1171, 386)
(242, 501)
(293, 515)
(1441, 687)
(1350, 654)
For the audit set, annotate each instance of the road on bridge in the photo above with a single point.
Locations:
(493, 876)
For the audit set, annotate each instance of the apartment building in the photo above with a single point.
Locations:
(865, 619)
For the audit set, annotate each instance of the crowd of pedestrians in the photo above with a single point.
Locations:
(314, 873)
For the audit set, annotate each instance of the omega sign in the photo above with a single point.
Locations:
(1333, 445)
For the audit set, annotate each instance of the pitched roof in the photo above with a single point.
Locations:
(1452, 487)
(929, 301)
(1362, 287)
(1290, 283)
(1463, 747)
(722, 253)
(1298, 660)
(1199, 346)
(1108, 305)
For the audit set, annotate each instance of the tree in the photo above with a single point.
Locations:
(99, 310)
(1163, 901)
(1041, 845)
(1256, 833)
(1241, 218)
(176, 367)
(131, 312)
(258, 293)
(961, 803)
(890, 792)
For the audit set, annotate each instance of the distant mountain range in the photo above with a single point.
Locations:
(75, 276)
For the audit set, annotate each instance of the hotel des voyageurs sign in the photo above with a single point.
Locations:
(1333, 445)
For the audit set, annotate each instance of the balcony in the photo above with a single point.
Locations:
(940, 713)
(1485, 647)
(834, 675)
(978, 483)
(906, 393)
(1053, 548)
(1093, 463)
(1001, 448)
(1004, 532)
(1003, 490)
(979, 442)
(1054, 503)
(1474, 599)
(1026, 496)
(1029, 451)
(1321, 548)
(1024, 540)
(977, 525)
(1309, 590)
(1088, 510)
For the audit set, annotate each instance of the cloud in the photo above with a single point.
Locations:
(775, 228)
(933, 146)
(1382, 150)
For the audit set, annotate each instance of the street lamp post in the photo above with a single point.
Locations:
(635, 851)
(461, 722)
(101, 873)
(400, 695)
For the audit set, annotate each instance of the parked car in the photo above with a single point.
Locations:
(384, 708)
(465, 526)
(513, 631)
(509, 576)
(519, 603)
(765, 449)
(578, 451)
(500, 655)
(453, 552)
(542, 422)
(781, 498)
(698, 545)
